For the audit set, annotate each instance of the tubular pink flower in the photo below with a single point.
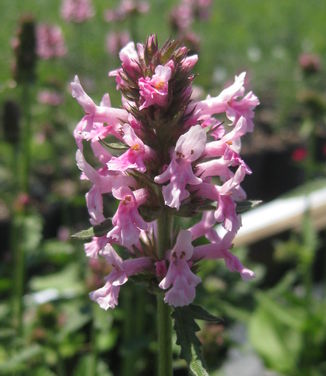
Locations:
(101, 184)
(103, 113)
(228, 101)
(189, 148)
(179, 275)
(135, 156)
(220, 249)
(129, 58)
(226, 209)
(154, 91)
(107, 296)
(95, 246)
(99, 121)
(127, 221)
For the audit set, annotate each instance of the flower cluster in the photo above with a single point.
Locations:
(176, 156)
(50, 42)
(77, 10)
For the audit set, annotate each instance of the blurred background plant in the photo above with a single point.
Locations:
(48, 325)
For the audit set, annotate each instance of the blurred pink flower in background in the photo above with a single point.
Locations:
(77, 10)
(115, 40)
(187, 11)
(126, 8)
(50, 42)
(50, 97)
(309, 62)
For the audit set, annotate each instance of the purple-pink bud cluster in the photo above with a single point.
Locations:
(77, 11)
(50, 41)
(163, 152)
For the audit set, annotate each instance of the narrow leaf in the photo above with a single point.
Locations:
(97, 230)
(246, 205)
(200, 313)
(84, 234)
(186, 328)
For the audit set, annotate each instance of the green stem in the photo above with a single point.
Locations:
(93, 343)
(164, 322)
(26, 139)
(18, 275)
(128, 365)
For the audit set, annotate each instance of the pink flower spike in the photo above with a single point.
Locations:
(154, 91)
(107, 296)
(179, 275)
(127, 221)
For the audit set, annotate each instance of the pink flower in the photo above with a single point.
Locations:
(179, 275)
(129, 60)
(77, 10)
(99, 121)
(189, 148)
(228, 101)
(95, 246)
(50, 42)
(174, 146)
(220, 249)
(107, 296)
(135, 156)
(154, 91)
(127, 221)
(102, 183)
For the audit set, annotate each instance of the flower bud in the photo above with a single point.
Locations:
(25, 51)
(11, 122)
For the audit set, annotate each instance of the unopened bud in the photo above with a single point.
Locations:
(25, 51)
(11, 122)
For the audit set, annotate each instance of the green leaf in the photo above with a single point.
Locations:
(186, 328)
(200, 313)
(30, 231)
(66, 281)
(84, 234)
(243, 206)
(114, 145)
(19, 361)
(98, 230)
(274, 332)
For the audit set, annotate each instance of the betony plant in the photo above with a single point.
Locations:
(164, 155)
